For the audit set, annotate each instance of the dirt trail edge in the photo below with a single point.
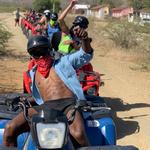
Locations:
(14, 63)
(125, 90)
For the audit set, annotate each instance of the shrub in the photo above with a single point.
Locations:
(40, 5)
(4, 36)
(122, 34)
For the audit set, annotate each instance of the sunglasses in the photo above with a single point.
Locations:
(83, 26)
(40, 51)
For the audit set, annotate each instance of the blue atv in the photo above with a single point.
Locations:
(49, 128)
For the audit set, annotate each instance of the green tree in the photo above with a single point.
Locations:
(112, 3)
(137, 4)
(40, 5)
(57, 5)
(146, 4)
(101, 2)
(4, 37)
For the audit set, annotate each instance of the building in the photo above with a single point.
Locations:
(81, 9)
(121, 12)
(99, 11)
(145, 17)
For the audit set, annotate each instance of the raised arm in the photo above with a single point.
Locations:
(69, 7)
(61, 18)
(85, 54)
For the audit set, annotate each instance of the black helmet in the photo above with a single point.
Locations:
(81, 21)
(38, 46)
(54, 16)
(47, 13)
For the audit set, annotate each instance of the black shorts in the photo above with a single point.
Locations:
(63, 105)
(17, 20)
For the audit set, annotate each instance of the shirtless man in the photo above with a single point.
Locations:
(54, 83)
(43, 22)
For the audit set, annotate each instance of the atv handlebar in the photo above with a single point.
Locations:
(90, 106)
(104, 109)
(84, 106)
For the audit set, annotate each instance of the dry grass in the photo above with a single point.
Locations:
(7, 8)
(4, 36)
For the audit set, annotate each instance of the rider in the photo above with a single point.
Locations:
(67, 42)
(44, 20)
(32, 16)
(57, 23)
(60, 21)
(54, 83)
(46, 16)
(53, 25)
(17, 17)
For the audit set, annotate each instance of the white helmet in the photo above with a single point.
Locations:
(46, 11)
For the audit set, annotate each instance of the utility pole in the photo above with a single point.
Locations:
(53, 5)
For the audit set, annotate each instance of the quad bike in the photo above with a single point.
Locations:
(90, 82)
(49, 128)
(97, 119)
(26, 27)
(30, 29)
(89, 148)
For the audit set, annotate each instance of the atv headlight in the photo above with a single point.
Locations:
(91, 91)
(51, 135)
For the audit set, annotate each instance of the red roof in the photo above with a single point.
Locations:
(119, 8)
(97, 7)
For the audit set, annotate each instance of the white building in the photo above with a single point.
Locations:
(81, 8)
(99, 11)
(145, 17)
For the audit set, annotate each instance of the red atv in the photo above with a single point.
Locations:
(89, 80)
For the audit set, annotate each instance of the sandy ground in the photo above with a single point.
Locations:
(125, 90)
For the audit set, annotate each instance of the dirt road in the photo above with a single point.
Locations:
(14, 63)
(126, 91)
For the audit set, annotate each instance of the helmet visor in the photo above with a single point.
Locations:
(39, 51)
(83, 26)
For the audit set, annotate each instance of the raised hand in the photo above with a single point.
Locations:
(73, 2)
(80, 32)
